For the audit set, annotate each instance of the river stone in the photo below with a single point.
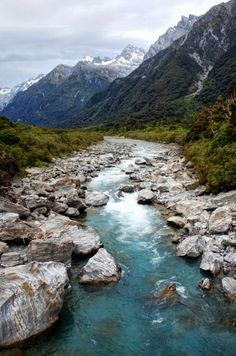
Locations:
(211, 262)
(31, 298)
(85, 239)
(96, 199)
(12, 259)
(10, 207)
(72, 212)
(230, 258)
(64, 181)
(20, 232)
(190, 207)
(229, 287)
(100, 269)
(220, 220)
(3, 247)
(8, 218)
(145, 196)
(176, 221)
(59, 208)
(140, 161)
(127, 189)
(34, 201)
(190, 247)
(205, 284)
(51, 250)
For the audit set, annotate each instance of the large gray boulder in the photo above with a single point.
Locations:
(100, 269)
(211, 262)
(85, 239)
(31, 298)
(191, 207)
(191, 247)
(53, 249)
(20, 232)
(96, 199)
(220, 220)
(229, 287)
(10, 207)
(176, 221)
(8, 219)
(145, 196)
(12, 259)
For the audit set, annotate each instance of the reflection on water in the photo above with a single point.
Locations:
(123, 319)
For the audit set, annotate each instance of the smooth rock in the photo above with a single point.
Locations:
(72, 212)
(145, 196)
(220, 220)
(190, 247)
(127, 189)
(176, 221)
(211, 262)
(190, 207)
(31, 298)
(10, 207)
(100, 269)
(53, 249)
(229, 287)
(96, 199)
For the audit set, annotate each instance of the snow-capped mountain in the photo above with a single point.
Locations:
(7, 94)
(65, 90)
(172, 34)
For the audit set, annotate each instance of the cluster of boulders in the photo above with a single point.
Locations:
(206, 223)
(39, 234)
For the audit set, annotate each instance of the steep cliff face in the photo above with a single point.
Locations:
(178, 72)
(172, 34)
(31, 298)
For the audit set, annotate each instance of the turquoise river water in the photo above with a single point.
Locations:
(124, 318)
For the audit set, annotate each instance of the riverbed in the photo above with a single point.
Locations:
(125, 318)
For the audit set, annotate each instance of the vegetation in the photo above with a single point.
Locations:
(209, 142)
(35, 146)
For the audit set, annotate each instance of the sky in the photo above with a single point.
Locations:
(37, 35)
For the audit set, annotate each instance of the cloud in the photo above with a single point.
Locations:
(37, 35)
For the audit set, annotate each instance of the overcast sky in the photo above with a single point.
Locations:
(36, 35)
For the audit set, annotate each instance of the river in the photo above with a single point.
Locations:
(125, 318)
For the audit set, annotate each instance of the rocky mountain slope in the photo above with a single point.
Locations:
(7, 94)
(182, 71)
(171, 35)
(65, 90)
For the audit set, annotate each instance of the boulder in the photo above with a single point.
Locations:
(100, 269)
(3, 247)
(85, 239)
(176, 221)
(12, 259)
(34, 201)
(145, 196)
(127, 189)
(220, 220)
(96, 199)
(64, 181)
(8, 219)
(191, 247)
(53, 249)
(140, 161)
(20, 232)
(10, 207)
(59, 208)
(229, 287)
(191, 207)
(205, 284)
(211, 262)
(31, 298)
(230, 257)
(72, 212)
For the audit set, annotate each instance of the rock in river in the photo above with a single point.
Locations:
(31, 298)
(211, 262)
(229, 287)
(96, 199)
(190, 247)
(100, 269)
(145, 196)
(176, 221)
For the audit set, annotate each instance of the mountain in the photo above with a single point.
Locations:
(7, 94)
(175, 77)
(65, 90)
(172, 34)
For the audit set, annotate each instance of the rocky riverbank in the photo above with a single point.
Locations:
(40, 230)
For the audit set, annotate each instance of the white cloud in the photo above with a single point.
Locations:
(36, 35)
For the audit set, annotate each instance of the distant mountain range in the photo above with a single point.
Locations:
(65, 90)
(191, 64)
(7, 94)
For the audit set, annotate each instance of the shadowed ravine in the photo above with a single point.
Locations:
(125, 318)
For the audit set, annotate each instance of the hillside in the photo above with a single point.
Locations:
(186, 70)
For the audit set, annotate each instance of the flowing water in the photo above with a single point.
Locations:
(125, 318)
